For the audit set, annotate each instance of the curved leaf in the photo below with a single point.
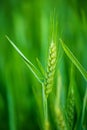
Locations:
(74, 60)
(33, 69)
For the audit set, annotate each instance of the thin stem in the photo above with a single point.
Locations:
(11, 111)
(45, 108)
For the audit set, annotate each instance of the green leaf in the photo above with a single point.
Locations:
(33, 69)
(74, 60)
(41, 67)
(84, 106)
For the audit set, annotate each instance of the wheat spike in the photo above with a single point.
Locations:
(60, 119)
(48, 83)
(70, 109)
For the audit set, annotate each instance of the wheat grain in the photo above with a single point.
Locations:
(48, 83)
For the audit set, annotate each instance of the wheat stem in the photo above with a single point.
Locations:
(45, 108)
(48, 82)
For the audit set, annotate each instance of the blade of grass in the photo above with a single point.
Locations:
(74, 60)
(33, 69)
(41, 67)
(84, 106)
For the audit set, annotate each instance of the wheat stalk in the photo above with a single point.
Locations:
(48, 81)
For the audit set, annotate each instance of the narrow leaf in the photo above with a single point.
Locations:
(74, 60)
(33, 69)
(84, 106)
(41, 67)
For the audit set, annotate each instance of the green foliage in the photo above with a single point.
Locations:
(32, 25)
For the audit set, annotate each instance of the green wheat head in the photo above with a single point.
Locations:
(60, 119)
(47, 125)
(70, 111)
(48, 83)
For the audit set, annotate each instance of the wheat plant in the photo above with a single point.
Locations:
(45, 78)
(64, 115)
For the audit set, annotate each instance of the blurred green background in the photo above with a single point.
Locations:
(27, 23)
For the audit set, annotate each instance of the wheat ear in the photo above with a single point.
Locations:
(48, 83)
(70, 108)
(60, 119)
